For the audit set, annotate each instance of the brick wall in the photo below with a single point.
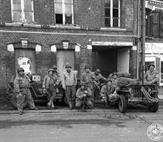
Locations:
(88, 15)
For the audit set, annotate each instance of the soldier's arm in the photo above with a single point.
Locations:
(75, 78)
(102, 77)
(63, 82)
(44, 82)
(16, 85)
(78, 94)
(156, 79)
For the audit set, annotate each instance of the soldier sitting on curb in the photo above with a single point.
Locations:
(84, 97)
(107, 91)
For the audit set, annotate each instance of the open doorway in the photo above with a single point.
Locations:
(109, 59)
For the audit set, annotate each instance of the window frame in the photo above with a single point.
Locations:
(23, 20)
(111, 14)
(64, 14)
(151, 24)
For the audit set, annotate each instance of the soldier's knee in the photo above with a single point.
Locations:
(78, 105)
(90, 104)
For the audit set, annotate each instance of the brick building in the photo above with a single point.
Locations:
(37, 34)
(154, 35)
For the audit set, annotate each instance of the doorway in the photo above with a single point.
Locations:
(63, 57)
(25, 58)
(105, 60)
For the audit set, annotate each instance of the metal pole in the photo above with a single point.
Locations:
(138, 41)
(143, 40)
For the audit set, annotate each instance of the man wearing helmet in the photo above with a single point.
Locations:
(88, 78)
(152, 76)
(69, 84)
(82, 92)
(23, 94)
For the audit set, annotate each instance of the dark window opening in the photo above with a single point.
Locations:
(59, 19)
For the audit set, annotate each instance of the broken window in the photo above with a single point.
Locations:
(63, 11)
(25, 63)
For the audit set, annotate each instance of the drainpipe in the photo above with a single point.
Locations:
(142, 40)
(138, 37)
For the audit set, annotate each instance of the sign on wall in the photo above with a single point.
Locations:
(154, 48)
(154, 4)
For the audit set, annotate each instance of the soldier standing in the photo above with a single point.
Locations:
(23, 94)
(69, 84)
(50, 84)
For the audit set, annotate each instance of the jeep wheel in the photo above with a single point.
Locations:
(154, 107)
(122, 104)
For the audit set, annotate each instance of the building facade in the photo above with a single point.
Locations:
(36, 34)
(154, 35)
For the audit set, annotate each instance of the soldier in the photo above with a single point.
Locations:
(114, 79)
(98, 78)
(87, 77)
(152, 76)
(82, 92)
(23, 94)
(50, 84)
(69, 84)
(107, 90)
(57, 76)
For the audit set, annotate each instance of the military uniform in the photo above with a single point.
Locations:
(152, 77)
(98, 78)
(23, 94)
(50, 84)
(106, 90)
(69, 84)
(88, 78)
(79, 97)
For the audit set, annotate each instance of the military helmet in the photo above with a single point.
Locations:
(68, 65)
(20, 69)
(54, 67)
(50, 70)
(97, 71)
(151, 65)
(83, 84)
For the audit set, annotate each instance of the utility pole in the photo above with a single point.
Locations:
(143, 30)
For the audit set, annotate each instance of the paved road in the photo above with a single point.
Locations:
(63, 125)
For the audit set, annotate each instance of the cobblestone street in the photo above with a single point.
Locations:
(64, 125)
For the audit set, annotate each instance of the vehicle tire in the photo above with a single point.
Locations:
(122, 104)
(154, 107)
